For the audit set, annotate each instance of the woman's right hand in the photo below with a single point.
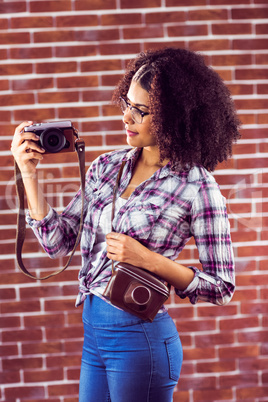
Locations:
(25, 149)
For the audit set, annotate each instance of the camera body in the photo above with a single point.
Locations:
(57, 136)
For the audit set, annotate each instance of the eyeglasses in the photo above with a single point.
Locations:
(136, 114)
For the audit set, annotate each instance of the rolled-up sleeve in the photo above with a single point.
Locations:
(57, 233)
(211, 230)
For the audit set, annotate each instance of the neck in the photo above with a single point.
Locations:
(150, 157)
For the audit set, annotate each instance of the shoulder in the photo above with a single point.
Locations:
(208, 196)
(107, 162)
(203, 179)
(201, 175)
(112, 157)
(198, 178)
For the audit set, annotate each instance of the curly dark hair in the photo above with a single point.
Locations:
(193, 116)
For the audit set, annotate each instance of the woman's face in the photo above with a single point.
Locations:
(138, 135)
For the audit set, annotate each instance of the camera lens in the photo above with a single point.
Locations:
(141, 295)
(52, 140)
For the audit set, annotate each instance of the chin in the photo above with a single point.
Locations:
(133, 142)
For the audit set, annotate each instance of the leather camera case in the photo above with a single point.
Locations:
(136, 291)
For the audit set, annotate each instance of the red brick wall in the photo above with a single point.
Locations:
(61, 60)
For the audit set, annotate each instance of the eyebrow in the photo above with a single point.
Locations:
(137, 104)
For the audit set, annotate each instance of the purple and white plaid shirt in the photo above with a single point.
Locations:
(162, 213)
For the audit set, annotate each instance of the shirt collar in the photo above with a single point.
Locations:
(133, 154)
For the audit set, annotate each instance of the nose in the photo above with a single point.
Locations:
(127, 116)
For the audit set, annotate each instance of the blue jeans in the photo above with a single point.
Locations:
(126, 359)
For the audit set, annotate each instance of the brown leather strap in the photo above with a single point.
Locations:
(114, 197)
(21, 225)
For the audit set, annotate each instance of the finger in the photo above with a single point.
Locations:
(21, 127)
(114, 235)
(112, 246)
(19, 131)
(26, 141)
(32, 145)
(27, 151)
(115, 246)
(21, 137)
(111, 251)
(112, 257)
(31, 156)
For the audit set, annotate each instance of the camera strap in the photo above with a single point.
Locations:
(114, 197)
(21, 225)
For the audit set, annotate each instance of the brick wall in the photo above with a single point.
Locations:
(61, 60)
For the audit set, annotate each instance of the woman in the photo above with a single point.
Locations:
(180, 122)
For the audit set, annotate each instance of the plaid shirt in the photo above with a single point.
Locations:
(162, 213)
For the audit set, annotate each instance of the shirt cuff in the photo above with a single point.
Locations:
(37, 224)
(191, 287)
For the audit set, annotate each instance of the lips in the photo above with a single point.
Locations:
(131, 133)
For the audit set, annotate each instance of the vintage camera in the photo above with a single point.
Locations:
(57, 136)
(136, 291)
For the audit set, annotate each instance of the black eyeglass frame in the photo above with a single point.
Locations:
(124, 105)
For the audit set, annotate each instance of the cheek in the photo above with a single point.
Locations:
(151, 134)
(147, 129)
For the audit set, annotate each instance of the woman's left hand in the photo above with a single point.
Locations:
(123, 248)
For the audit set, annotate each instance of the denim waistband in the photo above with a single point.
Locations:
(101, 314)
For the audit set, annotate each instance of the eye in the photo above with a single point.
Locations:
(136, 113)
(124, 104)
